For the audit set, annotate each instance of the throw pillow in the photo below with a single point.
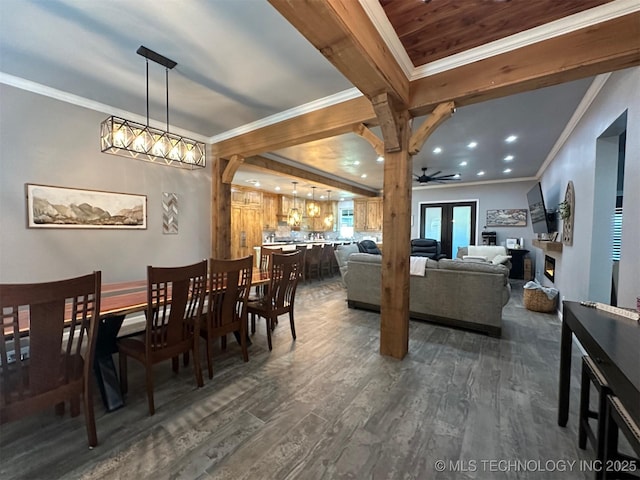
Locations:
(475, 258)
(500, 259)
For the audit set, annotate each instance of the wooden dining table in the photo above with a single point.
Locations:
(118, 300)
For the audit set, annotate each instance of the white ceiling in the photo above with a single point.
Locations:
(240, 62)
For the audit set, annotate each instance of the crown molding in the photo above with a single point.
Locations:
(288, 114)
(593, 16)
(474, 184)
(67, 97)
(381, 22)
(581, 109)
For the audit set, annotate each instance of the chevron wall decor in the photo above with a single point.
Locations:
(169, 213)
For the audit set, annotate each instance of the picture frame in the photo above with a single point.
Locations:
(512, 217)
(512, 243)
(75, 208)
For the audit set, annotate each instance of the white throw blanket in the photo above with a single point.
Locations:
(417, 266)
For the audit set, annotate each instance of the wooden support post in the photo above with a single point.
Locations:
(396, 231)
(383, 105)
(221, 211)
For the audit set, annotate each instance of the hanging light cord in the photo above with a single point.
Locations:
(147, 92)
(166, 73)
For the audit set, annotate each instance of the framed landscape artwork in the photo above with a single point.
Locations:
(515, 217)
(62, 207)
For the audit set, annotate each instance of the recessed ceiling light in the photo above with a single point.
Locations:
(437, 150)
(508, 158)
(257, 184)
(511, 139)
(341, 199)
(480, 173)
(463, 164)
(309, 194)
(277, 189)
(364, 175)
(357, 162)
(321, 197)
(506, 170)
(472, 145)
(380, 159)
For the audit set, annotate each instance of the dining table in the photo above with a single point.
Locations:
(117, 301)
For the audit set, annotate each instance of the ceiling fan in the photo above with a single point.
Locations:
(436, 177)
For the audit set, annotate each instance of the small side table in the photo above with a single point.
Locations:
(517, 262)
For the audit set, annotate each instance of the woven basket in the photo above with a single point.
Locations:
(537, 301)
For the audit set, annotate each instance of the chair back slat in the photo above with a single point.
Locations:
(285, 273)
(175, 294)
(47, 342)
(229, 286)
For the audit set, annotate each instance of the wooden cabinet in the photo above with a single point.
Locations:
(367, 214)
(246, 230)
(270, 211)
(240, 196)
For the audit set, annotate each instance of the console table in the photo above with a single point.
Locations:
(517, 262)
(612, 341)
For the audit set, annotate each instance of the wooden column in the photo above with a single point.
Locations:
(396, 232)
(220, 211)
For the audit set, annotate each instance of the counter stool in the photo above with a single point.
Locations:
(592, 374)
(617, 419)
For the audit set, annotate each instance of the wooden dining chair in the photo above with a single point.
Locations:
(228, 293)
(312, 261)
(54, 363)
(280, 297)
(326, 258)
(175, 301)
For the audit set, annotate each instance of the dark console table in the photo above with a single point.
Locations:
(612, 341)
(517, 262)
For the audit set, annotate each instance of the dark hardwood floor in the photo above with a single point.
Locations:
(329, 406)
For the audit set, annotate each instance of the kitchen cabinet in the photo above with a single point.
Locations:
(367, 214)
(240, 196)
(246, 229)
(270, 210)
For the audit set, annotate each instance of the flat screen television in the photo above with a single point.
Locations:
(541, 221)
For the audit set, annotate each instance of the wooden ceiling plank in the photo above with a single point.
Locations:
(272, 166)
(363, 131)
(327, 122)
(441, 113)
(383, 105)
(601, 48)
(344, 34)
(231, 168)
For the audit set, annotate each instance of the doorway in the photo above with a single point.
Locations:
(453, 224)
(606, 235)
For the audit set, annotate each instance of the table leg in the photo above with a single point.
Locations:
(564, 383)
(103, 366)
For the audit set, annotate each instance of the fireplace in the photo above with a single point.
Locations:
(549, 267)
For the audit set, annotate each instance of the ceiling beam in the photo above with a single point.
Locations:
(324, 123)
(272, 166)
(231, 168)
(604, 47)
(363, 131)
(441, 113)
(344, 34)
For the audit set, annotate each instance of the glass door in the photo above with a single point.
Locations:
(452, 224)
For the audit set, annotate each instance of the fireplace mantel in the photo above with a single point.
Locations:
(548, 246)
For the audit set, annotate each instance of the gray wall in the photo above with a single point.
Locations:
(50, 142)
(490, 196)
(576, 161)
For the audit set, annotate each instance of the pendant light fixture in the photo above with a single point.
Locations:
(313, 209)
(328, 219)
(294, 217)
(131, 139)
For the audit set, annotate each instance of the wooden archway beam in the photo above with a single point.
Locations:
(232, 167)
(441, 113)
(363, 131)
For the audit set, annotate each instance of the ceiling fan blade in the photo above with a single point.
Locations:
(447, 176)
(434, 174)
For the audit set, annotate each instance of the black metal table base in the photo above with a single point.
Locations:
(103, 366)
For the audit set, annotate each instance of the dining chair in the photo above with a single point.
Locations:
(303, 255)
(175, 301)
(280, 297)
(54, 363)
(312, 261)
(325, 260)
(265, 265)
(228, 293)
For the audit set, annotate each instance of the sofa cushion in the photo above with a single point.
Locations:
(483, 267)
(501, 259)
(342, 253)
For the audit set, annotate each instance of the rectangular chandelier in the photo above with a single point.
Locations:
(131, 139)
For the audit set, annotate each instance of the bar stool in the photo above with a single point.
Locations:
(592, 374)
(617, 419)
